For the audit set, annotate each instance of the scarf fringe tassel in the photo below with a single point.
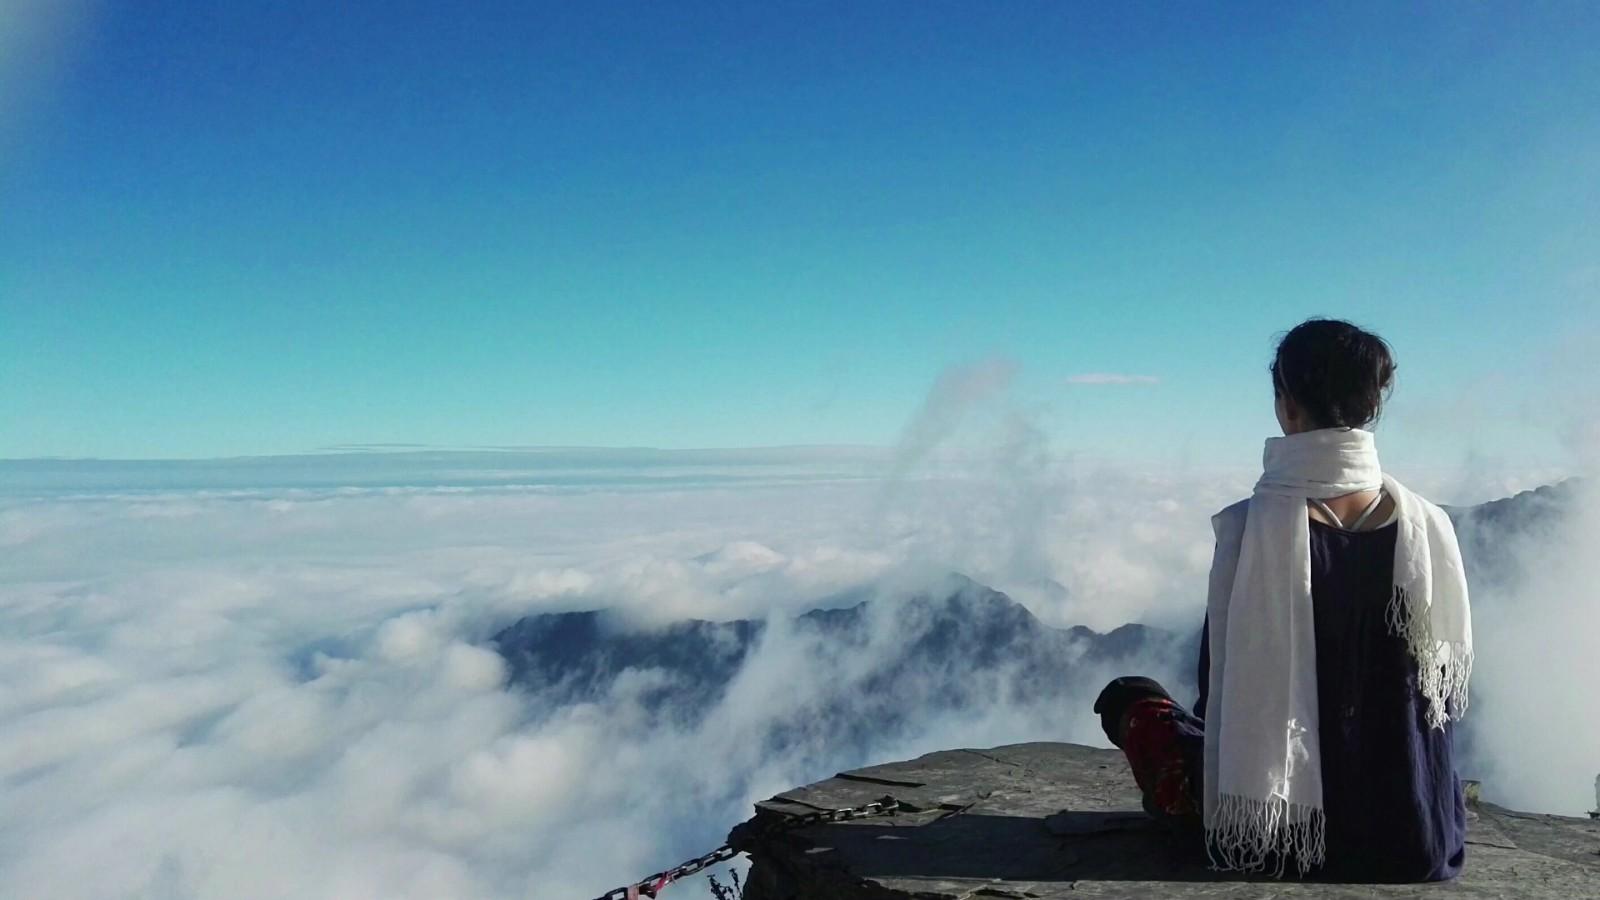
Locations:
(1443, 667)
(1251, 835)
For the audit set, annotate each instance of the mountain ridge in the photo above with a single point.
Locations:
(577, 656)
(574, 656)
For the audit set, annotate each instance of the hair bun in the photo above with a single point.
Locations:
(1337, 373)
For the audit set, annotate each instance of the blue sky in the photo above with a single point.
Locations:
(269, 228)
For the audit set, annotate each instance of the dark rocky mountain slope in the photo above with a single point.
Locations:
(1492, 533)
(953, 649)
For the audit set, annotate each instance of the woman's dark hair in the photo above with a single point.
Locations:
(1336, 373)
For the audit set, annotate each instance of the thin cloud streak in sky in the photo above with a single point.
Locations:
(1111, 378)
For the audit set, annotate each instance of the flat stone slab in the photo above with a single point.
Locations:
(1050, 820)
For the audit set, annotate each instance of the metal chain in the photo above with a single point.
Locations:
(651, 887)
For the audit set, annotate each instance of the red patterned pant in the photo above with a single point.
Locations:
(1164, 744)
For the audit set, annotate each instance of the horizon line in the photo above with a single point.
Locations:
(406, 449)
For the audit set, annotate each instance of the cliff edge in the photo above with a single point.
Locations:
(1050, 820)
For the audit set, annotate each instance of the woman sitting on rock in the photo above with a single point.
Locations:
(1335, 654)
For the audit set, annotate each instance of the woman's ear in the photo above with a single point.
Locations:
(1288, 413)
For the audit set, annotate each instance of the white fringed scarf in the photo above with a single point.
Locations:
(1263, 768)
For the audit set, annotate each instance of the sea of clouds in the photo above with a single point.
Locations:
(240, 692)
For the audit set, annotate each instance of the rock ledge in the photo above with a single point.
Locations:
(1049, 820)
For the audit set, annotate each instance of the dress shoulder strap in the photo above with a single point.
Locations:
(1372, 507)
(1333, 517)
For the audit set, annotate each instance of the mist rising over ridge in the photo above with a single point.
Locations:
(947, 649)
(579, 653)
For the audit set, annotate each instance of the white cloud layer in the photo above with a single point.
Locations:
(288, 693)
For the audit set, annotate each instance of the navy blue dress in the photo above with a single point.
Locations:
(1389, 787)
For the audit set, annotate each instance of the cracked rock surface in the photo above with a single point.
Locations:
(1051, 820)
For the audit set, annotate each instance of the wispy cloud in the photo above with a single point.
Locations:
(1111, 378)
(957, 392)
